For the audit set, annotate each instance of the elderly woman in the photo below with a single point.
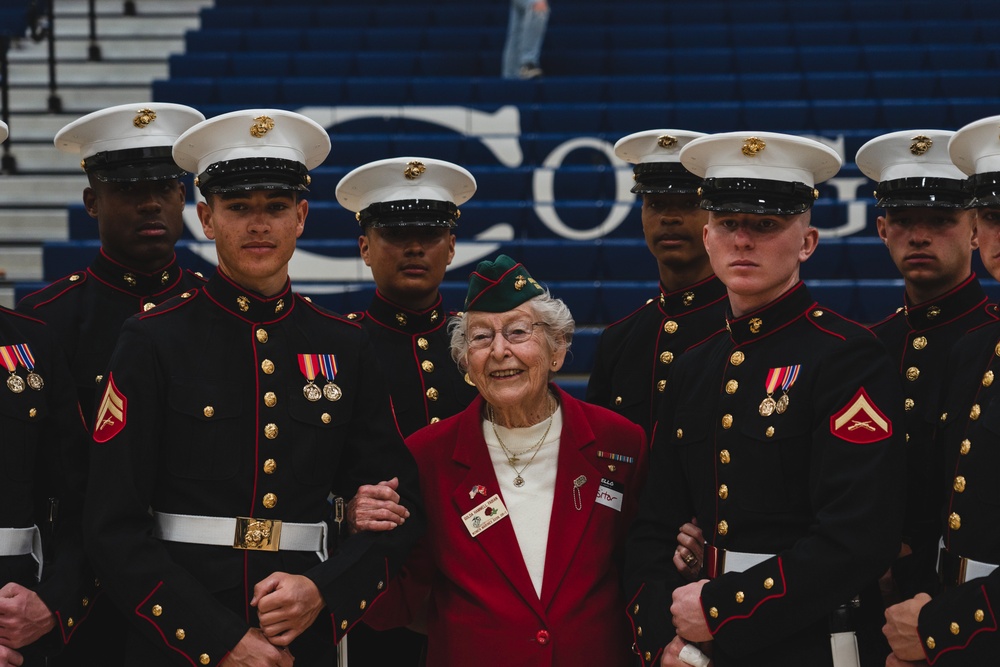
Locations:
(529, 493)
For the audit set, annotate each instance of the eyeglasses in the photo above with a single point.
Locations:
(517, 332)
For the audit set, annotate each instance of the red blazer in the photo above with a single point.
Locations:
(482, 605)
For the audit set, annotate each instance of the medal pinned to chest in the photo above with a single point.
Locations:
(784, 378)
(312, 365)
(14, 355)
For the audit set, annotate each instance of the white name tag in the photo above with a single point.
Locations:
(484, 515)
(610, 493)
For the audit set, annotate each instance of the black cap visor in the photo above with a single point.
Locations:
(664, 178)
(985, 189)
(259, 173)
(152, 163)
(410, 212)
(923, 192)
(756, 195)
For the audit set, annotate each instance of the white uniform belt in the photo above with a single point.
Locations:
(241, 532)
(21, 542)
(955, 570)
(721, 561)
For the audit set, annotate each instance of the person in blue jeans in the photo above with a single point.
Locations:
(525, 33)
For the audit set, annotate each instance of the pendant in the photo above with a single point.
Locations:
(767, 406)
(782, 404)
(519, 481)
(35, 381)
(15, 383)
(332, 392)
(312, 392)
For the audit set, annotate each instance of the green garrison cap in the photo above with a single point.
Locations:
(500, 285)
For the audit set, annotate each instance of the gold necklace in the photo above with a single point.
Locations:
(511, 456)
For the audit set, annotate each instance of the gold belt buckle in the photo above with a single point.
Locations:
(257, 534)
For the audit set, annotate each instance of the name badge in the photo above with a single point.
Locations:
(484, 515)
(610, 493)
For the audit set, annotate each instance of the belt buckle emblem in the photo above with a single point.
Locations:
(257, 534)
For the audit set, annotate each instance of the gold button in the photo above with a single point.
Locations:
(638, 631)
(635, 609)
(612, 467)
(975, 412)
(769, 432)
(666, 357)
(670, 326)
(713, 612)
(618, 400)
(959, 484)
(326, 418)
(432, 394)
(186, 295)
(343, 625)
(954, 628)
(261, 336)
(350, 316)
(723, 491)
(919, 343)
(649, 656)
(73, 278)
(157, 610)
(435, 420)
(32, 413)
(423, 343)
(724, 456)
(148, 306)
(954, 521)
(661, 386)
(270, 466)
(204, 659)
(987, 378)
(732, 386)
(98, 379)
(428, 366)
(739, 597)
(727, 421)
(769, 583)
(270, 400)
(85, 601)
(267, 366)
(997, 349)
(209, 411)
(736, 358)
(680, 433)
(943, 417)
(908, 404)
(912, 373)
(271, 431)
(69, 622)
(363, 604)
(755, 325)
(270, 500)
(817, 313)
(380, 586)
(180, 634)
(979, 616)
(723, 527)
(965, 447)
(930, 643)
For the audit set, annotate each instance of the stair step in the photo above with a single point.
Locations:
(76, 99)
(128, 73)
(21, 262)
(69, 48)
(36, 190)
(34, 225)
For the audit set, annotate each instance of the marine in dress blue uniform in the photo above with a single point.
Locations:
(635, 354)
(779, 434)
(959, 625)
(930, 233)
(44, 456)
(228, 417)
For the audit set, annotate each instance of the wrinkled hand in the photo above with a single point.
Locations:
(375, 507)
(287, 604)
(255, 651)
(671, 654)
(690, 552)
(10, 658)
(901, 627)
(24, 618)
(688, 617)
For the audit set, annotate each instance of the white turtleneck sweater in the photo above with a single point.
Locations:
(529, 506)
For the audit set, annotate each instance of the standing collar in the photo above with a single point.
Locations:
(247, 304)
(949, 306)
(764, 321)
(691, 298)
(398, 318)
(128, 280)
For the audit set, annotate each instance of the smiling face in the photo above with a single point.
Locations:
(408, 262)
(513, 377)
(672, 225)
(757, 257)
(139, 223)
(931, 247)
(254, 233)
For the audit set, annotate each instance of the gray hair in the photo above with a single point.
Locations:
(547, 309)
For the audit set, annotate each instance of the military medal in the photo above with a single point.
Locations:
(14, 382)
(767, 406)
(330, 390)
(786, 384)
(25, 356)
(784, 377)
(308, 365)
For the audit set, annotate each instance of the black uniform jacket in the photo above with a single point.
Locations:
(959, 625)
(414, 351)
(204, 412)
(919, 339)
(819, 485)
(86, 310)
(635, 354)
(44, 460)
